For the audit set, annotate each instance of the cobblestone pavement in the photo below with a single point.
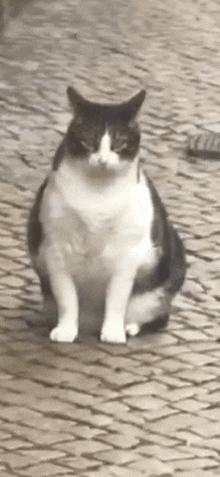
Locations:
(150, 408)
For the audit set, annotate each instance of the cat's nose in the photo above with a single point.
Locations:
(102, 160)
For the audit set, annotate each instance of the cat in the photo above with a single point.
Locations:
(98, 230)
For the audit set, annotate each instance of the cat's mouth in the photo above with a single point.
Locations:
(102, 170)
(103, 166)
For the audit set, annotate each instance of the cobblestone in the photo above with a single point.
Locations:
(150, 408)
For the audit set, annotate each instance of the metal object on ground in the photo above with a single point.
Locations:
(205, 145)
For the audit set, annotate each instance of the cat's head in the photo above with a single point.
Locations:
(105, 136)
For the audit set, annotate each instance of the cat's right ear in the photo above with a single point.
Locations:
(130, 109)
(76, 99)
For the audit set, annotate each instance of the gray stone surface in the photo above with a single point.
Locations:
(150, 408)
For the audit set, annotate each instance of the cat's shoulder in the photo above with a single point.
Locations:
(150, 186)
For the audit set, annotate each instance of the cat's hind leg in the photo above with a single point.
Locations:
(50, 311)
(147, 311)
(160, 322)
(132, 329)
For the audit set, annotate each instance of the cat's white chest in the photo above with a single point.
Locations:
(94, 233)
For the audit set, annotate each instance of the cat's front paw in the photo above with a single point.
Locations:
(63, 335)
(114, 335)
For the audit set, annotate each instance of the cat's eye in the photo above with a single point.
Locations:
(78, 120)
(86, 146)
(122, 147)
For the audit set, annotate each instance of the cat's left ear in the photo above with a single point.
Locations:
(76, 99)
(133, 105)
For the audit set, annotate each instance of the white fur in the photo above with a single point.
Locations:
(98, 233)
(105, 156)
(144, 308)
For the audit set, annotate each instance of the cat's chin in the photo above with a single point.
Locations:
(103, 171)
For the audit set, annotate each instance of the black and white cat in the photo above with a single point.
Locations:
(98, 231)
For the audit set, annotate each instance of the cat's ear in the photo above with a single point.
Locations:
(76, 99)
(131, 108)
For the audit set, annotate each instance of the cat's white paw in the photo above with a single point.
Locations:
(132, 329)
(113, 335)
(63, 334)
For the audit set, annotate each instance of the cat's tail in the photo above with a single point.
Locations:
(205, 145)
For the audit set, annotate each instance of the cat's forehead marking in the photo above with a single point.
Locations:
(105, 143)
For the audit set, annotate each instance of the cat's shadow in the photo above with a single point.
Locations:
(89, 322)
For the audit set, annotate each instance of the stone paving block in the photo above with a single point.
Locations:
(45, 438)
(152, 467)
(20, 414)
(134, 418)
(116, 379)
(86, 432)
(49, 433)
(172, 365)
(196, 473)
(45, 470)
(27, 387)
(163, 453)
(79, 464)
(113, 407)
(68, 379)
(101, 472)
(120, 441)
(4, 435)
(75, 397)
(131, 430)
(200, 451)
(13, 444)
(115, 456)
(121, 471)
(194, 463)
(204, 347)
(212, 414)
(197, 376)
(4, 473)
(191, 335)
(85, 416)
(173, 381)
(163, 440)
(197, 359)
(156, 414)
(89, 355)
(179, 421)
(42, 454)
(83, 447)
(145, 388)
(16, 460)
(145, 371)
(145, 402)
(212, 397)
(176, 395)
(191, 405)
(206, 428)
